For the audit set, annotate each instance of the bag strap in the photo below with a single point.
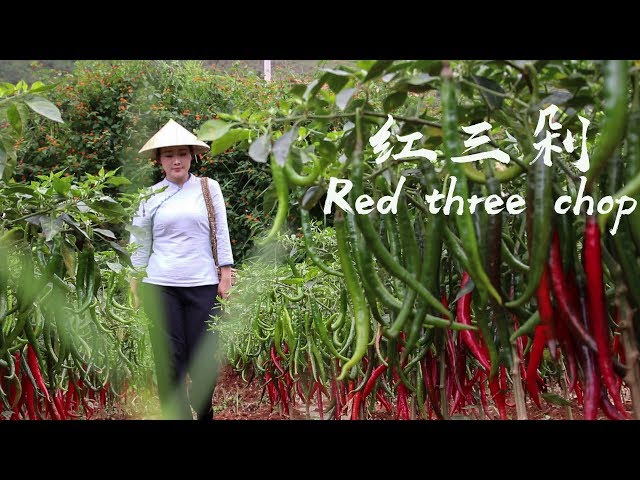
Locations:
(204, 183)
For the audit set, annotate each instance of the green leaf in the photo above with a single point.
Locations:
(68, 220)
(469, 286)
(336, 83)
(432, 67)
(340, 73)
(104, 232)
(123, 255)
(282, 145)
(260, 148)
(298, 90)
(50, 226)
(39, 87)
(117, 181)
(394, 101)
(342, 98)
(327, 150)
(14, 118)
(556, 399)
(3, 159)
(6, 89)
(312, 196)
(212, 130)
(229, 116)
(108, 208)
(114, 266)
(43, 107)
(312, 89)
(62, 186)
(229, 139)
(559, 97)
(312, 273)
(493, 101)
(574, 81)
(9, 165)
(377, 69)
(421, 79)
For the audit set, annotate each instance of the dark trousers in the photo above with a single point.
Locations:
(183, 344)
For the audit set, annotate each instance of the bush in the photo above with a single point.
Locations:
(111, 108)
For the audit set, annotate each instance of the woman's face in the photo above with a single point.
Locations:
(175, 163)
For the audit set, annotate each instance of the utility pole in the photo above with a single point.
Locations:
(267, 70)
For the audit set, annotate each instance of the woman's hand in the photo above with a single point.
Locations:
(225, 282)
(133, 283)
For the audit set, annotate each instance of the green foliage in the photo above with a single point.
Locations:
(263, 284)
(111, 108)
(15, 103)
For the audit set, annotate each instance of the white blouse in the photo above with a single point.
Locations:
(174, 236)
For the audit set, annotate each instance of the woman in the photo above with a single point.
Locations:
(181, 283)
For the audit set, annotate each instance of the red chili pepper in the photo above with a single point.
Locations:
(28, 391)
(270, 390)
(384, 402)
(546, 312)
(379, 370)
(579, 395)
(618, 351)
(403, 408)
(355, 411)
(498, 397)
(456, 404)
(335, 393)
(284, 397)
(453, 363)
(564, 293)
(58, 400)
(591, 395)
(463, 313)
(609, 410)
(568, 349)
(103, 396)
(597, 305)
(319, 399)
(432, 395)
(32, 361)
(69, 402)
(274, 357)
(534, 361)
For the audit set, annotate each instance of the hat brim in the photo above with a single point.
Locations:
(199, 148)
(174, 135)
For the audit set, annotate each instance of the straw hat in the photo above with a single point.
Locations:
(172, 135)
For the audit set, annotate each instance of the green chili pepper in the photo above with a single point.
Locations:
(541, 213)
(282, 191)
(360, 310)
(451, 144)
(616, 79)
(303, 180)
(412, 262)
(373, 240)
(311, 252)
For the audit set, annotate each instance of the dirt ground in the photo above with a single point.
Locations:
(236, 399)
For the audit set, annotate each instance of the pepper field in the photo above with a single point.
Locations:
(444, 239)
